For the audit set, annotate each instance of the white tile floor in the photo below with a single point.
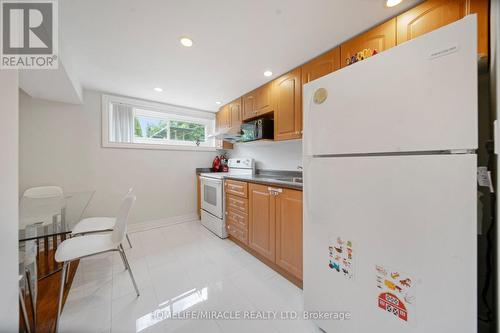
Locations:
(179, 268)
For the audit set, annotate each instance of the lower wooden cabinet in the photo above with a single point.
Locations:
(261, 226)
(237, 225)
(289, 232)
(269, 225)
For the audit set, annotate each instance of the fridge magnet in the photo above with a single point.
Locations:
(395, 293)
(341, 256)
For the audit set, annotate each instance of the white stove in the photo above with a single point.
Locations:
(212, 194)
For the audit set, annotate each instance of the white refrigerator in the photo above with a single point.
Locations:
(390, 189)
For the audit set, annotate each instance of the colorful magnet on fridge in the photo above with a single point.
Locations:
(405, 283)
(336, 267)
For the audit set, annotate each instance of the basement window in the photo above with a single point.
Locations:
(129, 123)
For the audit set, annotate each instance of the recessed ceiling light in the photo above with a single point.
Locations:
(392, 3)
(268, 73)
(187, 42)
(158, 89)
(218, 103)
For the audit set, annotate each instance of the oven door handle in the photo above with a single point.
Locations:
(211, 180)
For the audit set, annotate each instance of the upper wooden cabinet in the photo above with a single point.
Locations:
(289, 232)
(223, 120)
(264, 99)
(261, 223)
(225, 117)
(235, 113)
(433, 14)
(287, 94)
(380, 38)
(258, 102)
(321, 66)
(248, 106)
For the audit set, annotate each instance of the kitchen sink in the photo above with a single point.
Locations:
(289, 179)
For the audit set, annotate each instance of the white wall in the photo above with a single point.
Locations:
(9, 88)
(61, 144)
(283, 155)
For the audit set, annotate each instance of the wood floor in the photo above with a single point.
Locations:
(48, 293)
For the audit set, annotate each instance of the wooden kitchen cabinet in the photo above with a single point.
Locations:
(237, 225)
(237, 210)
(287, 91)
(267, 222)
(236, 187)
(321, 66)
(235, 114)
(433, 14)
(224, 117)
(289, 232)
(258, 102)
(248, 106)
(380, 38)
(223, 120)
(261, 223)
(264, 99)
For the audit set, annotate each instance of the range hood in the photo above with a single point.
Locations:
(227, 134)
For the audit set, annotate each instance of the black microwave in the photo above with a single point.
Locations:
(262, 128)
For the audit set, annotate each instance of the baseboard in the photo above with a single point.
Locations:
(148, 225)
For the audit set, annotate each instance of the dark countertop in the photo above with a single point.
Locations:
(265, 177)
(268, 177)
(203, 170)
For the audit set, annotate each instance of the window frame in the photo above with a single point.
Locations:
(162, 111)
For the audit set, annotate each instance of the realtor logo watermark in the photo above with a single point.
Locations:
(29, 34)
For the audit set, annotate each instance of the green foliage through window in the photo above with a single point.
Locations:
(146, 127)
(186, 131)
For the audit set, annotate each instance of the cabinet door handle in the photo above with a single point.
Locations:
(274, 191)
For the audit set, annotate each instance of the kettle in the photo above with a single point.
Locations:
(216, 165)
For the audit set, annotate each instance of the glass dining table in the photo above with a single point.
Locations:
(49, 220)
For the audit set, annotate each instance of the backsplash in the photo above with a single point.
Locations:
(269, 155)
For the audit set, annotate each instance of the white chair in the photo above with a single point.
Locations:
(97, 224)
(88, 245)
(43, 192)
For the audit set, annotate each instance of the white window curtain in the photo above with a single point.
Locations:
(122, 123)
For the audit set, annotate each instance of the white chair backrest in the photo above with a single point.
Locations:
(43, 192)
(120, 228)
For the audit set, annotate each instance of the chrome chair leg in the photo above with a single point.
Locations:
(32, 295)
(129, 269)
(24, 312)
(61, 294)
(128, 240)
(122, 255)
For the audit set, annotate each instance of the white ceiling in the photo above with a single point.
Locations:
(128, 47)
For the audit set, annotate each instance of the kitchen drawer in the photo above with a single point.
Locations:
(237, 225)
(237, 188)
(237, 232)
(237, 218)
(237, 203)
